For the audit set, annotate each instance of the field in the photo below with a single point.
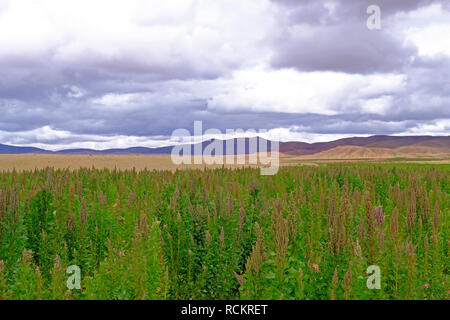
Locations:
(309, 232)
(23, 162)
(27, 162)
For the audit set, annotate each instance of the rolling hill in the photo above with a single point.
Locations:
(388, 142)
(349, 148)
(5, 149)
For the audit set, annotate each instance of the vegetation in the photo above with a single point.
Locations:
(305, 233)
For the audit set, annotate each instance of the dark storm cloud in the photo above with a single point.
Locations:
(335, 37)
(350, 48)
(345, 10)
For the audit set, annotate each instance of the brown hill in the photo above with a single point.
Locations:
(356, 152)
(374, 146)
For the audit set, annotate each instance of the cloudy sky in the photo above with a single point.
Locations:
(109, 73)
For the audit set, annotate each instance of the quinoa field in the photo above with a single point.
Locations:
(307, 233)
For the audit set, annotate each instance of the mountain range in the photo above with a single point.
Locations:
(357, 147)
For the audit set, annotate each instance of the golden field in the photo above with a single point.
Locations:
(26, 162)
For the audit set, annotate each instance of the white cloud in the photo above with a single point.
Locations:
(265, 90)
(380, 105)
(290, 91)
(439, 128)
(74, 92)
(428, 28)
(50, 139)
(204, 35)
(296, 134)
(117, 100)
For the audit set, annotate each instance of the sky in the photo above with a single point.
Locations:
(114, 74)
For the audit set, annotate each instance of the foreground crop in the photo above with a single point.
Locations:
(306, 233)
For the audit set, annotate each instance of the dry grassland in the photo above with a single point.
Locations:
(27, 162)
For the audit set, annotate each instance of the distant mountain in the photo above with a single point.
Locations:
(5, 149)
(134, 150)
(233, 146)
(374, 145)
(388, 142)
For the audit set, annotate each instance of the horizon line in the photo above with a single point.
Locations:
(212, 139)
